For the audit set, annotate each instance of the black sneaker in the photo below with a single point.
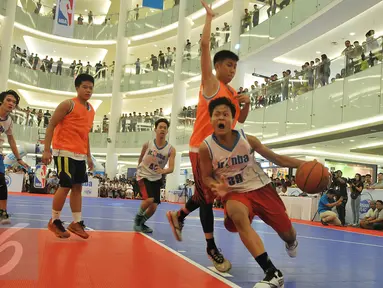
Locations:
(4, 218)
(58, 228)
(220, 263)
(273, 279)
(138, 223)
(323, 223)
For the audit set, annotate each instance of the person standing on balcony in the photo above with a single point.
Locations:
(212, 87)
(71, 152)
(8, 102)
(90, 17)
(59, 67)
(255, 15)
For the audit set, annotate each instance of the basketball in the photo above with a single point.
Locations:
(312, 177)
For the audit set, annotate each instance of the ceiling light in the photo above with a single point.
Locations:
(86, 10)
(313, 147)
(352, 140)
(352, 33)
(318, 52)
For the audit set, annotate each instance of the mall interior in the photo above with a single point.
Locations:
(313, 70)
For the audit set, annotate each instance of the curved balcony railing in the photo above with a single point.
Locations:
(345, 89)
(96, 27)
(52, 81)
(144, 20)
(279, 23)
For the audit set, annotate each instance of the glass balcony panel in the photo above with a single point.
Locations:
(327, 105)
(299, 110)
(303, 9)
(258, 36)
(361, 94)
(275, 120)
(281, 22)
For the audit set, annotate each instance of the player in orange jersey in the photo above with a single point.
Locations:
(212, 87)
(68, 131)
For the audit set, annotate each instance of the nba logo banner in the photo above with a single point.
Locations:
(64, 22)
(40, 174)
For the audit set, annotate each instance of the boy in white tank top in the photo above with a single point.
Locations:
(229, 169)
(155, 154)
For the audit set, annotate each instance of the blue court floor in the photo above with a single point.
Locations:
(326, 258)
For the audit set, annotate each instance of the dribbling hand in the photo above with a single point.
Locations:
(47, 157)
(220, 188)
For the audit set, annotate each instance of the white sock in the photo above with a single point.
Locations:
(76, 217)
(55, 215)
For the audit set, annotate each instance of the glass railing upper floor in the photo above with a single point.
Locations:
(87, 27)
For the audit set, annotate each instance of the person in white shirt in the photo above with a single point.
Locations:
(376, 221)
(370, 212)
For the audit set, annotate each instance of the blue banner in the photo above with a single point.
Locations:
(156, 4)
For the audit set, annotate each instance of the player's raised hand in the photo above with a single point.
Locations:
(209, 10)
(243, 98)
(220, 188)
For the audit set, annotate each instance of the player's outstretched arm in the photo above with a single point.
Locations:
(143, 150)
(209, 81)
(283, 161)
(61, 111)
(219, 187)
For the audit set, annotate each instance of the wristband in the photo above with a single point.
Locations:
(19, 159)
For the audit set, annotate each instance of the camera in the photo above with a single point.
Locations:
(351, 180)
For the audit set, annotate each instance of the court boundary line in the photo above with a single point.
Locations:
(192, 262)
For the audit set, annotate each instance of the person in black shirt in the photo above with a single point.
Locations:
(340, 185)
(356, 186)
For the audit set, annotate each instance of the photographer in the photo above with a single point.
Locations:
(326, 203)
(356, 186)
(339, 184)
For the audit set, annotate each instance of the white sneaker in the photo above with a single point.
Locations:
(4, 218)
(272, 280)
(292, 250)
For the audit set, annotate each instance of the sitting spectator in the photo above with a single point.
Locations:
(370, 212)
(379, 183)
(326, 203)
(376, 221)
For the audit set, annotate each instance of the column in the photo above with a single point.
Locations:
(179, 93)
(236, 28)
(116, 105)
(6, 40)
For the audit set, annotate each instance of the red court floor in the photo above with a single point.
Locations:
(109, 260)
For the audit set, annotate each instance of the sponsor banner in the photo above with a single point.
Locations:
(90, 188)
(156, 4)
(14, 182)
(64, 22)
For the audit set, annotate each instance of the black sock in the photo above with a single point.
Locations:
(182, 215)
(264, 261)
(211, 244)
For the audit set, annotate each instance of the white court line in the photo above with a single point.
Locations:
(208, 271)
(223, 274)
(222, 228)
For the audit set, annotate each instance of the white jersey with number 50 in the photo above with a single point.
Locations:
(154, 157)
(236, 164)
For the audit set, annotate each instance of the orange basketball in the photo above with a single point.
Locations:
(312, 177)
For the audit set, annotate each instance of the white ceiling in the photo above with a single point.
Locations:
(332, 42)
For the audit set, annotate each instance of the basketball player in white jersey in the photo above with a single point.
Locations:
(230, 170)
(8, 102)
(155, 154)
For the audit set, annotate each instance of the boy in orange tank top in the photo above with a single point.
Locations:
(69, 130)
(212, 87)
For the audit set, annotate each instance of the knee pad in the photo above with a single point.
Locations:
(3, 188)
(207, 218)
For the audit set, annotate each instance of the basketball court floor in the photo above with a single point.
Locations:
(114, 256)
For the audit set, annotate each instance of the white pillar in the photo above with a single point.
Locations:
(235, 32)
(6, 40)
(179, 92)
(174, 179)
(116, 105)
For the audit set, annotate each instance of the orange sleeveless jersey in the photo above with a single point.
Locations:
(72, 133)
(202, 126)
